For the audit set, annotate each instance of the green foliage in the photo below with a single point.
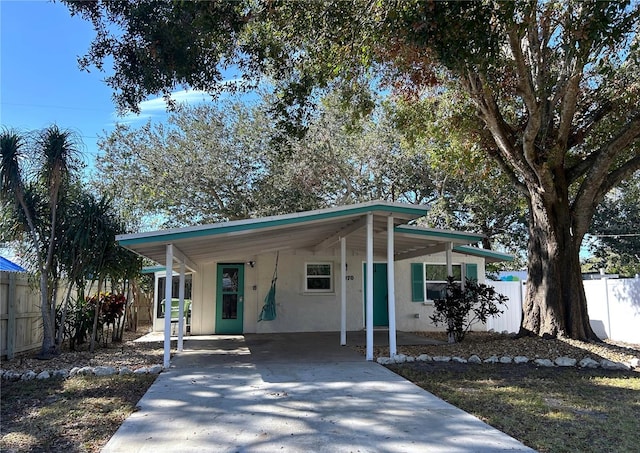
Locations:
(615, 227)
(214, 163)
(462, 307)
(36, 188)
(554, 84)
(78, 319)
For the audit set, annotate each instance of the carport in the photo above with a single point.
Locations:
(375, 228)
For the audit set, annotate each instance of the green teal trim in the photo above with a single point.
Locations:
(471, 271)
(470, 237)
(380, 291)
(153, 269)
(234, 301)
(233, 227)
(417, 282)
(483, 253)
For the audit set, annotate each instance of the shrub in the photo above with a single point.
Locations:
(462, 307)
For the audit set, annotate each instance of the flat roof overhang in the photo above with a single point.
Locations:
(314, 231)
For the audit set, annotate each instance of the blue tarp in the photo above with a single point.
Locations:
(6, 265)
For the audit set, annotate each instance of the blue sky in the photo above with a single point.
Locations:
(41, 84)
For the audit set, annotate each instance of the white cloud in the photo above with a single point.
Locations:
(158, 106)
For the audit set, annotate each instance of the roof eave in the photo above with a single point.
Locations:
(264, 223)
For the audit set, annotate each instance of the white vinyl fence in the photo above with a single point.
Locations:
(614, 308)
(613, 305)
(510, 319)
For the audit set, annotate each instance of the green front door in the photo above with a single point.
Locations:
(230, 298)
(380, 295)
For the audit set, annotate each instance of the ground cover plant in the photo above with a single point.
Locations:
(548, 409)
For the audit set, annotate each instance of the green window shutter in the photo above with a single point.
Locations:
(417, 282)
(471, 270)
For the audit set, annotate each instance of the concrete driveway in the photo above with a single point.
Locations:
(294, 393)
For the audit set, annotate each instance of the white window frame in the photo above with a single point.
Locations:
(426, 282)
(330, 277)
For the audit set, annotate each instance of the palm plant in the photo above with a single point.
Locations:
(37, 201)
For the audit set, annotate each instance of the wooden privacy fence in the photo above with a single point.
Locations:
(20, 316)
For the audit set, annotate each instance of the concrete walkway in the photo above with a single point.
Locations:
(294, 393)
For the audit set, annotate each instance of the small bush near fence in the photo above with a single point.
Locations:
(21, 318)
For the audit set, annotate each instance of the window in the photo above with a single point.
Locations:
(429, 281)
(318, 277)
(435, 279)
(174, 292)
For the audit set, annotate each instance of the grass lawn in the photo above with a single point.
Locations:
(548, 409)
(73, 415)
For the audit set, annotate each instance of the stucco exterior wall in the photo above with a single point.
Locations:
(406, 310)
(300, 311)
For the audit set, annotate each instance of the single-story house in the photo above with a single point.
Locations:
(321, 260)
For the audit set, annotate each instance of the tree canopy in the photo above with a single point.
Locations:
(555, 84)
(234, 169)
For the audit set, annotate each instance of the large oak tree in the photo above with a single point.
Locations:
(555, 84)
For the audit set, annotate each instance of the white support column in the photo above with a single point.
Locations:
(181, 320)
(449, 254)
(391, 286)
(167, 306)
(369, 304)
(343, 291)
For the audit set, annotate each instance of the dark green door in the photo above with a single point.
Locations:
(230, 298)
(380, 295)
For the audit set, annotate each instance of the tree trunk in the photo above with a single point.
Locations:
(96, 315)
(48, 344)
(555, 303)
(63, 316)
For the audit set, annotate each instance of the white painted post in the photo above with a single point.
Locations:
(181, 308)
(369, 307)
(343, 291)
(391, 286)
(449, 254)
(606, 298)
(167, 306)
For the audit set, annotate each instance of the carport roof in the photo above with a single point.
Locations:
(311, 230)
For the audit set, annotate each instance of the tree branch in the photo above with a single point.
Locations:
(525, 81)
(597, 183)
(618, 175)
(585, 208)
(578, 136)
(567, 113)
(602, 157)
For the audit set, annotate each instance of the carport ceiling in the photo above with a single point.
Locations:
(312, 230)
